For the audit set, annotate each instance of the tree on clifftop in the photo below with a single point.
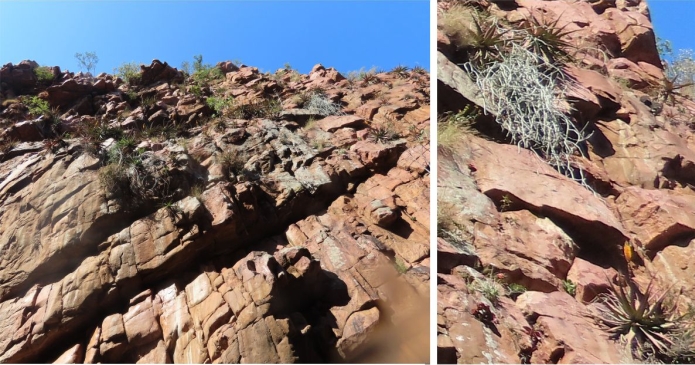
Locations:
(87, 61)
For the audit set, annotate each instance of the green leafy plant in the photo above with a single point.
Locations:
(514, 290)
(129, 72)
(196, 90)
(569, 287)
(204, 74)
(505, 203)
(463, 118)
(219, 105)
(645, 322)
(44, 74)
(36, 105)
(87, 61)
(131, 95)
(171, 206)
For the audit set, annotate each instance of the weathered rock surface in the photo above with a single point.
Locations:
(524, 253)
(212, 239)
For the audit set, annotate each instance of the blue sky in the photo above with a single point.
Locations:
(347, 35)
(674, 20)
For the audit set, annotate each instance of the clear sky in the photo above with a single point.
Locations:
(674, 20)
(347, 35)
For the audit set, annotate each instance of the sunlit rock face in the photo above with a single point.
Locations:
(237, 217)
(525, 252)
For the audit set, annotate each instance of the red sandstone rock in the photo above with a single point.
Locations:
(333, 123)
(198, 279)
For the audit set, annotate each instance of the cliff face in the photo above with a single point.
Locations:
(223, 216)
(535, 238)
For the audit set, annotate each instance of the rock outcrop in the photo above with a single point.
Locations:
(198, 220)
(525, 252)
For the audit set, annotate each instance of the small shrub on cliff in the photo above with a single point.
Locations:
(452, 126)
(514, 290)
(204, 74)
(489, 288)
(220, 106)
(114, 179)
(138, 177)
(44, 74)
(7, 145)
(322, 105)
(36, 105)
(93, 134)
(265, 108)
(129, 72)
(569, 287)
(232, 162)
(366, 76)
(523, 90)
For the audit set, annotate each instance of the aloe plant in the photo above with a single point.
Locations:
(547, 39)
(670, 88)
(643, 320)
(487, 40)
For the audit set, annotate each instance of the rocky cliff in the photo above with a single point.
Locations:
(225, 215)
(566, 186)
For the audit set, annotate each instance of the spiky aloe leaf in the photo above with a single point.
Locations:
(547, 39)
